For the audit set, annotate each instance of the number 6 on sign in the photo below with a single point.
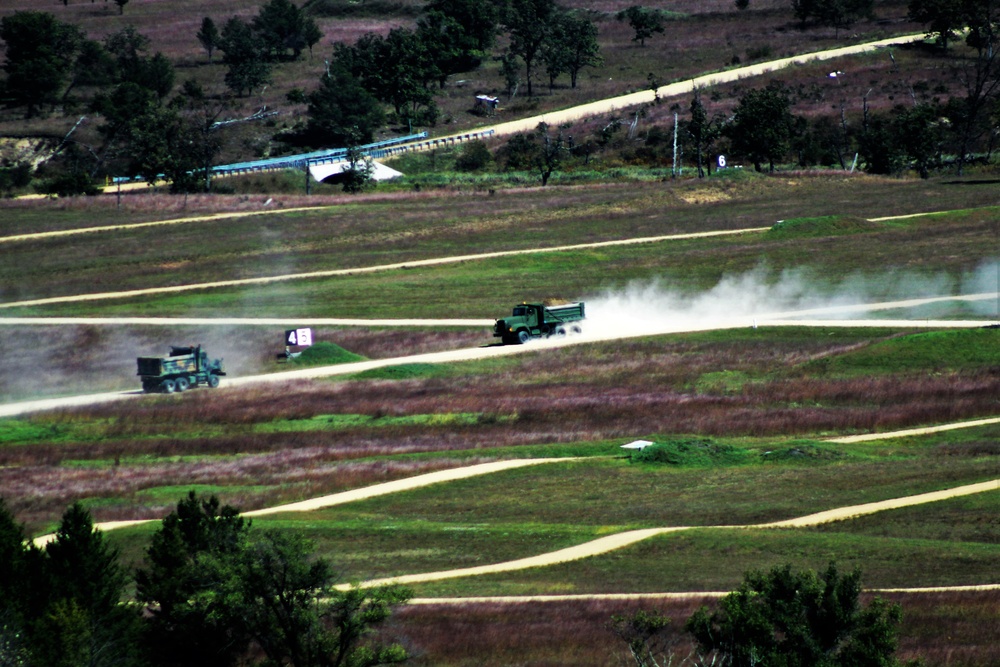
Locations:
(722, 162)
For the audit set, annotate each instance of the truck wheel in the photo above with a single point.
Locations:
(213, 380)
(183, 384)
(561, 332)
(576, 329)
(523, 336)
(169, 386)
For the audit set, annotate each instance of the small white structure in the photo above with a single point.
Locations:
(638, 445)
(321, 172)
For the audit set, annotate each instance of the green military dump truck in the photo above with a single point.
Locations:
(185, 367)
(535, 320)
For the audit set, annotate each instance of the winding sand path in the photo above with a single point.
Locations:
(628, 538)
(577, 552)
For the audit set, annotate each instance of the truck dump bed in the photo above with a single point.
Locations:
(570, 312)
(156, 367)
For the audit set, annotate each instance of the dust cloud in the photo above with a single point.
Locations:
(762, 293)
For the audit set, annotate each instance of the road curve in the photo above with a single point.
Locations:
(580, 551)
(628, 538)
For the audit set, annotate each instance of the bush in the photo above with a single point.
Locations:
(475, 156)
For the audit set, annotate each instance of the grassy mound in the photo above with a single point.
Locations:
(691, 453)
(831, 225)
(325, 354)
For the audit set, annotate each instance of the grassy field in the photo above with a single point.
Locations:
(743, 416)
(746, 411)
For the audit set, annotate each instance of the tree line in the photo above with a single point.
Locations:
(150, 128)
(212, 590)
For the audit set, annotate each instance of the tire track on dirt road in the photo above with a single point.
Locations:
(492, 351)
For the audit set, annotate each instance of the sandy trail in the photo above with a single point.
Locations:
(556, 118)
(580, 551)
(436, 261)
(628, 538)
(553, 118)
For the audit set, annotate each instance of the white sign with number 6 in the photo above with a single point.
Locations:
(722, 162)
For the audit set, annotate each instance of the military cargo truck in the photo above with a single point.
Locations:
(185, 367)
(535, 320)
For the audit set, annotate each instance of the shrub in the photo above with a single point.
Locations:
(475, 156)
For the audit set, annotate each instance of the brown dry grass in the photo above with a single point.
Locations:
(585, 394)
(941, 629)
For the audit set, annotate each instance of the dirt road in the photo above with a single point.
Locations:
(492, 351)
(557, 118)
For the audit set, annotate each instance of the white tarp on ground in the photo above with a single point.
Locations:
(323, 171)
(638, 444)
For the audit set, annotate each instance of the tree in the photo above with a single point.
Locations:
(219, 593)
(40, 52)
(536, 151)
(703, 132)
(642, 633)
(529, 23)
(833, 13)
(208, 35)
(644, 22)
(571, 45)
(980, 76)
(943, 17)
(762, 125)
(282, 26)
(121, 5)
(246, 54)
(583, 49)
(341, 107)
(478, 19)
(84, 616)
(799, 619)
(842, 14)
(357, 175)
(450, 50)
(187, 624)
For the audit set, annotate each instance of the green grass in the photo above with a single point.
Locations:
(932, 351)
(323, 353)
(348, 421)
(716, 559)
(832, 225)
(692, 453)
